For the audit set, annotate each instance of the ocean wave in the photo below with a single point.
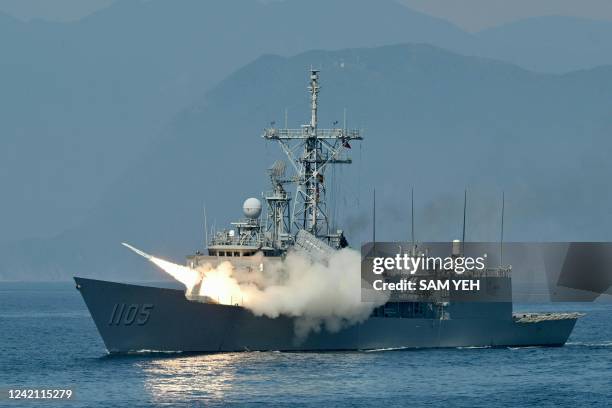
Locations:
(472, 347)
(387, 349)
(39, 315)
(589, 344)
(147, 351)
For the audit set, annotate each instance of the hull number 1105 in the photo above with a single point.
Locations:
(129, 314)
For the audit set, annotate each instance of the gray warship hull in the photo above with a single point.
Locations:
(132, 318)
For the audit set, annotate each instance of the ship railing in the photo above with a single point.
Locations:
(275, 195)
(502, 271)
(422, 296)
(235, 241)
(343, 134)
(499, 272)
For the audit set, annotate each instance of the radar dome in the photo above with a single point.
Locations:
(251, 208)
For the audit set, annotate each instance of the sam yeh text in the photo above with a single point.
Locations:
(405, 285)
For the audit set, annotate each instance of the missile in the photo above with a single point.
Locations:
(138, 251)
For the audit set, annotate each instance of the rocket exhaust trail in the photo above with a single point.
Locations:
(138, 251)
(183, 274)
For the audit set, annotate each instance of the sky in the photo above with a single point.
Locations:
(471, 15)
(475, 15)
(56, 10)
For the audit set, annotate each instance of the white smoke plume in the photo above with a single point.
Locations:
(319, 295)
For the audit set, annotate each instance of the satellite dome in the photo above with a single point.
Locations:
(251, 208)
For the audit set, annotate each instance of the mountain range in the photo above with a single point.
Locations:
(121, 125)
(433, 120)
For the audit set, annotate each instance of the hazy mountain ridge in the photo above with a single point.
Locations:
(542, 138)
(89, 95)
(82, 100)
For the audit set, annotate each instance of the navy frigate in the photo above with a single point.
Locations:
(135, 318)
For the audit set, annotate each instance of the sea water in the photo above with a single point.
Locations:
(48, 340)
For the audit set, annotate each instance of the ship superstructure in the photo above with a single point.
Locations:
(311, 152)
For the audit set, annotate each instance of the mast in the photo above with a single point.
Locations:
(463, 232)
(412, 215)
(374, 222)
(205, 228)
(311, 151)
(311, 203)
(501, 238)
(314, 95)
